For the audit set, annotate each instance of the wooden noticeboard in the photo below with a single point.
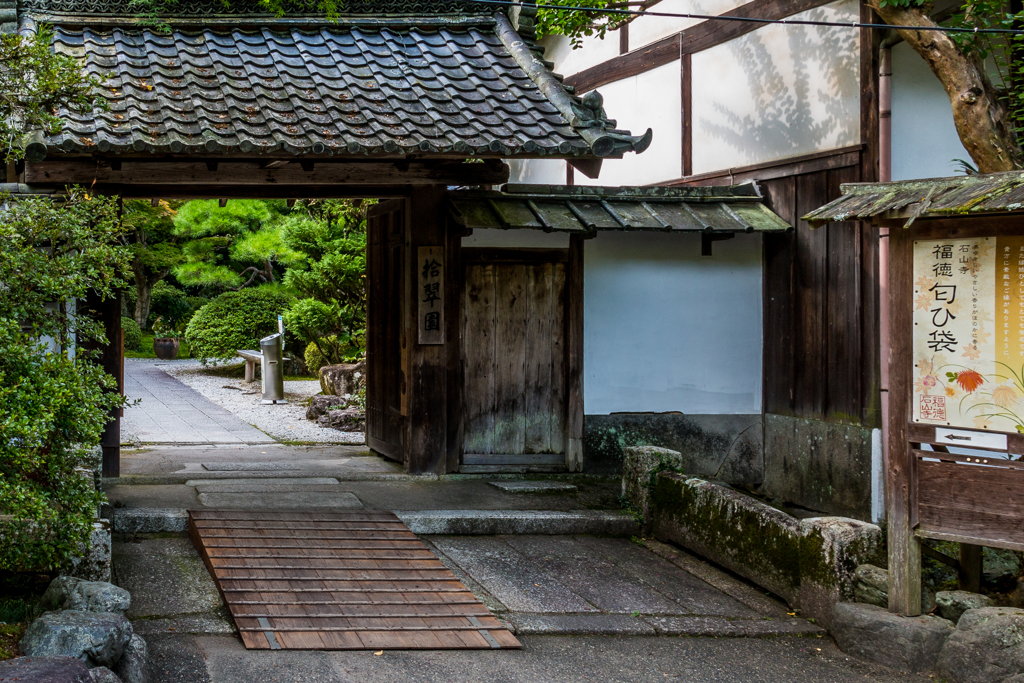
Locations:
(956, 416)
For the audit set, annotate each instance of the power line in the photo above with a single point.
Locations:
(755, 20)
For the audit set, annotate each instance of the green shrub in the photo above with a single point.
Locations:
(344, 352)
(132, 334)
(168, 302)
(233, 321)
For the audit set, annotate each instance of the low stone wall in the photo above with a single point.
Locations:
(809, 563)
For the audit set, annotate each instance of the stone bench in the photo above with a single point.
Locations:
(251, 359)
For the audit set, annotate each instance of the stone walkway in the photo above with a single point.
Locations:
(171, 413)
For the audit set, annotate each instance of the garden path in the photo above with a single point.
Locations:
(170, 412)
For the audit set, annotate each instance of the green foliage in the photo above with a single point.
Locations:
(170, 303)
(331, 311)
(132, 334)
(233, 321)
(576, 24)
(36, 83)
(52, 406)
(231, 246)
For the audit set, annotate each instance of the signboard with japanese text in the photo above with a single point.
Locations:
(430, 297)
(969, 333)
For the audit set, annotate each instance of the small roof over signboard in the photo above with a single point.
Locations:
(587, 209)
(909, 200)
(387, 78)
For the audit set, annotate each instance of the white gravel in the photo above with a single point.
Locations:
(283, 422)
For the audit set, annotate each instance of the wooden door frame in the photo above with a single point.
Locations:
(573, 321)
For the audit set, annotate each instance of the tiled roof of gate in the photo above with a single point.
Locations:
(443, 85)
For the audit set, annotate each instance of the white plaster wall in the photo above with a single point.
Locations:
(568, 61)
(777, 92)
(517, 239)
(537, 171)
(666, 329)
(924, 139)
(650, 100)
(646, 30)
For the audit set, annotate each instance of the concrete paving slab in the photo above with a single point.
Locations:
(555, 659)
(576, 624)
(513, 486)
(692, 595)
(601, 583)
(249, 466)
(496, 522)
(197, 625)
(165, 576)
(298, 481)
(510, 577)
(174, 658)
(294, 500)
(268, 486)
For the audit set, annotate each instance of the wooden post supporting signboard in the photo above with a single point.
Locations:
(904, 546)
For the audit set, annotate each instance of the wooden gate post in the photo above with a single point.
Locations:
(904, 546)
(426, 367)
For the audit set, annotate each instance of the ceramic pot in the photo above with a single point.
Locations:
(165, 348)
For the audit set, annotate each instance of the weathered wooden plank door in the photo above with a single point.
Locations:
(514, 354)
(385, 227)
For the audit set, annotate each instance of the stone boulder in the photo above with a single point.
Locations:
(1000, 567)
(93, 562)
(102, 674)
(986, 647)
(639, 464)
(319, 405)
(45, 670)
(71, 593)
(347, 378)
(952, 604)
(345, 420)
(871, 587)
(876, 634)
(131, 668)
(98, 639)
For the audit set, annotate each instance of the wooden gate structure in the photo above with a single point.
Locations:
(954, 467)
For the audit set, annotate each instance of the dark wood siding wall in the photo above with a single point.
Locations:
(820, 307)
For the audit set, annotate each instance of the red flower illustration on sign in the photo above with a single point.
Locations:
(969, 380)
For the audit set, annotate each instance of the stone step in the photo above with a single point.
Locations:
(426, 522)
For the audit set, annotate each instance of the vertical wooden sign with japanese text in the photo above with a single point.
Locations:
(430, 294)
(969, 333)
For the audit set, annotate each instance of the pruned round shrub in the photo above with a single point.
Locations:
(132, 334)
(233, 321)
(168, 302)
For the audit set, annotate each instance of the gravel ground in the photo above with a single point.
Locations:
(284, 422)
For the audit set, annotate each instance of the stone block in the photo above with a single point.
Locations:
(94, 562)
(131, 668)
(346, 378)
(319, 405)
(952, 604)
(736, 531)
(876, 634)
(639, 465)
(580, 624)
(831, 549)
(871, 586)
(45, 670)
(70, 593)
(496, 522)
(523, 486)
(98, 639)
(150, 520)
(986, 647)
(102, 674)
(345, 420)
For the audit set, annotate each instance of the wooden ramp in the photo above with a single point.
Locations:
(338, 581)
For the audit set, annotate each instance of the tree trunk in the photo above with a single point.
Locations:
(144, 290)
(981, 119)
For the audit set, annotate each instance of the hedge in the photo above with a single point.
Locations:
(233, 321)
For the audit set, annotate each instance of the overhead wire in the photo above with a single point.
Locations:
(754, 20)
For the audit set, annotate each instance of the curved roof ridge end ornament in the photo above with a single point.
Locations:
(586, 116)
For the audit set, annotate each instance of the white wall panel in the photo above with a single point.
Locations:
(646, 30)
(778, 91)
(650, 100)
(569, 61)
(666, 329)
(537, 171)
(924, 139)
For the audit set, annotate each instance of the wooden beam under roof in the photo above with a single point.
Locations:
(85, 171)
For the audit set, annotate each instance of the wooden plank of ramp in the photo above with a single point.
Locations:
(338, 581)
